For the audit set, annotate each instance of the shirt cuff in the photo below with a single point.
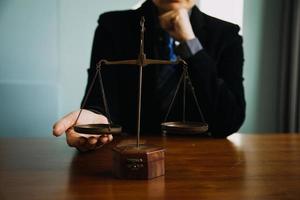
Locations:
(188, 48)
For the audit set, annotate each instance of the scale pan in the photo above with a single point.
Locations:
(191, 128)
(98, 129)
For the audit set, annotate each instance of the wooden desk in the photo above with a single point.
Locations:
(241, 167)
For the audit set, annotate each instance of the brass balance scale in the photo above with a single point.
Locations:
(142, 161)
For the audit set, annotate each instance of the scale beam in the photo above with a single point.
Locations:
(144, 62)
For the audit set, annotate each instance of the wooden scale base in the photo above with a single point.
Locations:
(143, 162)
(130, 161)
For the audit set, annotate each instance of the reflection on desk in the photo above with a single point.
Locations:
(241, 167)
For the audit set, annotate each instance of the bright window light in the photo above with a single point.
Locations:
(228, 10)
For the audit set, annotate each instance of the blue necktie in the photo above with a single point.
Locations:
(167, 74)
(172, 55)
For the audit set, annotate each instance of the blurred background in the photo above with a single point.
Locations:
(45, 50)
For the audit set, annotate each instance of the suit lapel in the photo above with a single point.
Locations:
(198, 24)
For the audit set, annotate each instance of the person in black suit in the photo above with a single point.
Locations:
(211, 47)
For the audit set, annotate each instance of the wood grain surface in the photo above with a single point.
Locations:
(244, 166)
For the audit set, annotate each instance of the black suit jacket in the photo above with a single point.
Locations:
(216, 71)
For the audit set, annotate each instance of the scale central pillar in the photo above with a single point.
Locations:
(139, 161)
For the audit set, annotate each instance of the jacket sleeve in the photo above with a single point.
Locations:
(219, 84)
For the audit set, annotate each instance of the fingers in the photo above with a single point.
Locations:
(110, 138)
(169, 14)
(167, 20)
(92, 140)
(64, 124)
(177, 24)
(104, 139)
(84, 142)
(74, 139)
(87, 117)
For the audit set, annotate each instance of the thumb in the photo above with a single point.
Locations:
(64, 123)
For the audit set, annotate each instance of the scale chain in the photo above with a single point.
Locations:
(184, 92)
(173, 99)
(104, 96)
(86, 97)
(98, 73)
(195, 97)
(185, 78)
